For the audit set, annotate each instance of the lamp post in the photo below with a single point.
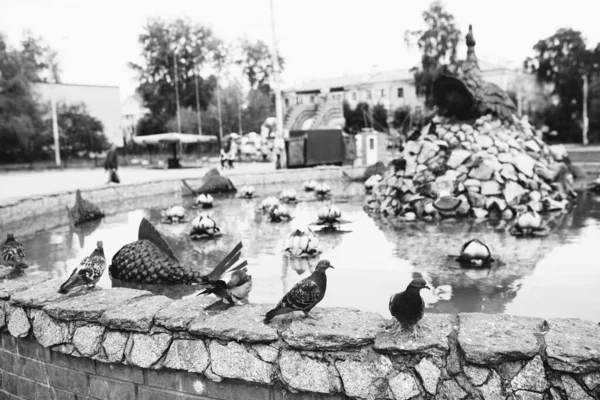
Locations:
(585, 110)
(176, 90)
(55, 126)
(197, 98)
(279, 140)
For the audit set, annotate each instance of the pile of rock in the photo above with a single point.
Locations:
(489, 166)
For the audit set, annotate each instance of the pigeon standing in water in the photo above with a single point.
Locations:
(408, 307)
(235, 290)
(89, 271)
(13, 252)
(304, 295)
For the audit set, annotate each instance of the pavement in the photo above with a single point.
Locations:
(21, 184)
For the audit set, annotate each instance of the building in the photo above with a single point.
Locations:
(132, 110)
(101, 102)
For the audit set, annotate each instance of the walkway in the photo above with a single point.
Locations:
(20, 184)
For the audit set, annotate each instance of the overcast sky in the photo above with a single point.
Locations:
(318, 38)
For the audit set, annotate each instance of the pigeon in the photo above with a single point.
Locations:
(304, 295)
(13, 252)
(235, 290)
(408, 307)
(89, 271)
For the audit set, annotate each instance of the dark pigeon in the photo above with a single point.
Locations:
(88, 272)
(13, 252)
(408, 307)
(304, 295)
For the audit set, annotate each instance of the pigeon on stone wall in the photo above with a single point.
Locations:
(237, 289)
(408, 307)
(88, 272)
(13, 252)
(305, 294)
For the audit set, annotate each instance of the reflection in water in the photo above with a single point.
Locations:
(555, 276)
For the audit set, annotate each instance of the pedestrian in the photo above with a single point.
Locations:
(224, 158)
(231, 157)
(111, 164)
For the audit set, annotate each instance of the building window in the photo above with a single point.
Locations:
(353, 95)
(400, 92)
(383, 93)
(371, 144)
(368, 95)
(337, 97)
(298, 100)
(312, 99)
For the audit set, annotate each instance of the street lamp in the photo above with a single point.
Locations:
(279, 140)
(181, 41)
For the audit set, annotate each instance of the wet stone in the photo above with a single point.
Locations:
(137, 315)
(43, 294)
(336, 328)
(49, 331)
(574, 391)
(495, 338)
(87, 339)
(433, 340)
(483, 172)
(532, 377)
(364, 378)
(239, 323)
(178, 315)
(18, 323)
(404, 386)
(304, 373)
(147, 349)
(234, 361)
(477, 375)
(114, 345)
(90, 306)
(573, 345)
(12, 286)
(429, 373)
(188, 355)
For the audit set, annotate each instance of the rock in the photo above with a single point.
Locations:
(464, 207)
(188, 355)
(469, 183)
(12, 286)
(304, 373)
(363, 378)
(90, 306)
(3, 305)
(18, 323)
(213, 182)
(525, 164)
(532, 145)
(147, 349)
(114, 345)
(501, 146)
(490, 188)
(492, 389)
(404, 386)
(457, 157)
(495, 338)
(592, 381)
(434, 341)
(479, 213)
(477, 375)
(180, 313)
(413, 147)
(485, 141)
(512, 192)
(508, 172)
(43, 293)
(266, 352)
(242, 324)
(495, 203)
(574, 391)
(411, 166)
(546, 173)
(234, 361)
(428, 150)
(525, 395)
(532, 377)
(410, 216)
(138, 315)
(483, 172)
(48, 331)
(450, 390)
(573, 345)
(430, 375)
(87, 339)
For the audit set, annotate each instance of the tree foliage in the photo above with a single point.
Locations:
(80, 133)
(437, 44)
(257, 64)
(357, 118)
(380, 116)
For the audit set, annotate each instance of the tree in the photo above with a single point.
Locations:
(357, 118)
(438, 45)
(259, 107)
(380, 116)
(257, 65)
(39, 59)
(193, 49)
(561, 60)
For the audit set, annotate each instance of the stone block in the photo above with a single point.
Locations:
(234, 361)
(108, 389)
(178, 314)
(82, 364)
(147, 349)
(18, 322)
(66, 379)
(49, 331)
(304, 373)
(532, 377)
(43, 294)
(404, 386)
(429, 373)
(364, 378)
(88, 338)
(12, 286)
(122, 372)
(574, 391)
(138, 315)
(573, 345)
(188, 355)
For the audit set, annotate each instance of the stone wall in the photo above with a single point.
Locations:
(128, 344)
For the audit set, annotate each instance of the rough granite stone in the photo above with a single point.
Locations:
(44, 293)
(509, 370)
(90, 306)
(48, 331)
(573, 345)
(304, 373)
(364, 378)
(88, 338)
(18, 323)
(492, 389)
(234, 361)
(451, 390)
(574, 391)
(433, 340)
(189, 355)
(494, 338)
(146, 349)
(65, 348)
(3, 305)
(525, 395)
(114, 345)
(240, 323)
(457, 157)
(532, 377)
(477, 375)
(336, 328)
(178, 315)
(429, 373)
(12, 286)
(137, 315)
(404, 386)
(592, 381)
(266, 352)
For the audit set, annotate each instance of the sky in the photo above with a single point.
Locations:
(318, 38)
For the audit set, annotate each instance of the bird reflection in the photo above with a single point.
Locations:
(82, 230)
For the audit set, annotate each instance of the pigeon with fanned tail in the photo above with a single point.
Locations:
(83, 210)
(235, 290)
(408, 307)
(13, 253)
(305, 295)
(150, 260)
(88, 272)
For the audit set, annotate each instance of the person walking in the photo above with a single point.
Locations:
(111, 164)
